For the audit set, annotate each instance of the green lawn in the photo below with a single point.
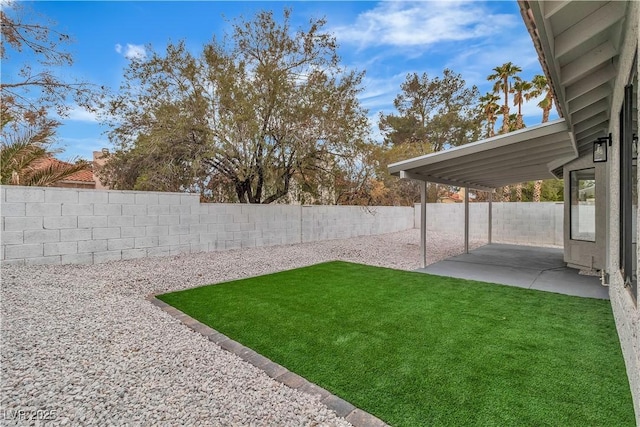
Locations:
(418, 350)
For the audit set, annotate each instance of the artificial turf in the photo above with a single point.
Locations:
(416, 350)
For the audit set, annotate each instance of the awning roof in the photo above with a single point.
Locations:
(579, 45)
(525, 155)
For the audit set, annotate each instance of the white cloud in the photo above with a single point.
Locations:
(406, 24)
(477, 61)
(80, 114)
(380, 92)
(83, 148)
(131, 51)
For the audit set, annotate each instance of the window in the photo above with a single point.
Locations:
(629, 187)
(583, 205)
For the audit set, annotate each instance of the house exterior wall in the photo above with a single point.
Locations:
(625, 308)
(74, 226)
(583, 254)
(517, 223)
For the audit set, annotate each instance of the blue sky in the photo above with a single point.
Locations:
(386, 39)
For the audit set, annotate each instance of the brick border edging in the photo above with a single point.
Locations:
(341, 407)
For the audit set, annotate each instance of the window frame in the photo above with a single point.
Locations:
(571, 210)
(626, 190)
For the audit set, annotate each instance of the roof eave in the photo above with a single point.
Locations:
(537, 131)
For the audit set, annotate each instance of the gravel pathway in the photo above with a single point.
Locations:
(82, 346)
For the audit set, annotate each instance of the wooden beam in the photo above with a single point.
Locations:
(598, 120)
(541, 154)
(580, 67)
(430, 178)
(592, 81)
(591, 110)
(602, 92)
(591, 134)
(597, 22)
(553, 7)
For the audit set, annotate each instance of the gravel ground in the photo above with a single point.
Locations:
(81, 345)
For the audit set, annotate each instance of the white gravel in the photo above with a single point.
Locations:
(81, 345)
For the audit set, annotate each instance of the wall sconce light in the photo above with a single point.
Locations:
(600, 149)
(634, 147)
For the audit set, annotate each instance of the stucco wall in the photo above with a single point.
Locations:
(625, 308)
(517, 223)
(72, 226)
(627, 318)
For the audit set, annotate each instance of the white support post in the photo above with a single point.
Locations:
(466, 220)
(490, 229)
(423, 223)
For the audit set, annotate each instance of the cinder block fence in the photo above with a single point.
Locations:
(74, 226)
(516, 223)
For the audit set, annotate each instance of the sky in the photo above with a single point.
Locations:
(387, 40)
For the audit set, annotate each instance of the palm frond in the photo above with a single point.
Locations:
(51, 173)
(26, 160)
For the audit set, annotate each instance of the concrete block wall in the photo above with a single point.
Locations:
(517, 223)
(327, 222)
(75, 226)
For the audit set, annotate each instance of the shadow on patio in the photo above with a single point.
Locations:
(528, 267)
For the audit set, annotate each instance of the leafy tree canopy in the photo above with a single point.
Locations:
(250, 116)
(31, 92)
(433, 113)
(33, 55)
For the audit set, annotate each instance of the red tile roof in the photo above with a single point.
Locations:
(82, 176)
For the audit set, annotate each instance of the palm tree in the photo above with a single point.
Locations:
(540, 85)
(512, 123)
(520, 89)
(490, 108)
(501, 78)
(25, 159)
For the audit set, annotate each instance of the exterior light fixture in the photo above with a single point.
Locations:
(600, 149)
(634, 147)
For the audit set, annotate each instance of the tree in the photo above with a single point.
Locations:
(25, 158)
(490, 108)
(501, 77)
(541, 86)
(261, 109)
(520, 90)
(394, 191)
(433, 113)
(31, 91)
(169, 156)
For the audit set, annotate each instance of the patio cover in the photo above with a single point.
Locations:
(528, 154)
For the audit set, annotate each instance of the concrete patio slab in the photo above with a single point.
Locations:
(527, 267)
